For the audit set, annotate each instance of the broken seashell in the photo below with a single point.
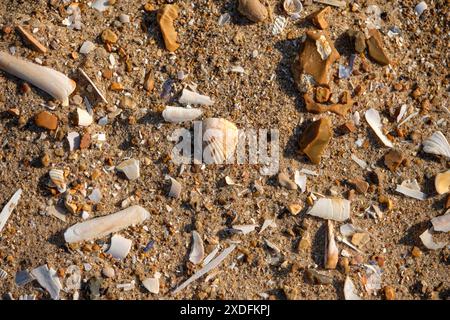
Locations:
(49, 80)
(191, 97)
(210, 266)
(285, 182)
(95, 196)
(120, 247)
(333, 209)
(74, 140)
(151, 284)
(279, 25)
(335, 3)
(442, 182)
(130, 168)
(331, 249)
(37, 46)
(373, 119)
(211, 255)
(315, 139)
(175, 187)
(179, 114)
(221, 138)
(300, 180)
(166, 16)
(318, 18)
(437, 144)
(9, 208)
(101, 5)
(245, 228)
(102, 226)
(254, 10)
(420, 8)
(87, 47)
(3, 274)
(58, 179)
(411, 189)
(428, 242)
(197, 250)
(350, 290)
(48, 279)
(442, 223)
(293, 8)
(84, 118)
(96, 89)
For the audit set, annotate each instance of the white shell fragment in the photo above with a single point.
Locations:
(120, 247)
(300, 180)
(293, 8)
(373, 119)
(175, 187)
(84, 119)
(420, 8)
(151, 284)
(221, 138)
(197, 249)
(359, 161)
(73, 280)
(48, 279)
(51, 81)
(279, 25)
(96, 89)
(335, 3)
(96, 195)
(102, 226)
(191, 97)
(74, 140)
(100, 5)
(428, 242)
(211, 255)
(58, 179)
(9, 208)
(437, 144)
(442, 223)
(87, 47)
(3, 274)
(442, 182)
(411, 189)
(244, 228)
(124, 18)
(210, 266)
(350, 290)
(130, 168)
(323, 47)
(180, 114)
(333, 209)
(224, 19)
(331, 249)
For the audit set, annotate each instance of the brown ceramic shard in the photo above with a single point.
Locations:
(309, 61)
(254, 10)
(375, 48)
(341, 108)
(318, 18)
(166, 15)
(393, 159)
(46, 120)
(315, 139)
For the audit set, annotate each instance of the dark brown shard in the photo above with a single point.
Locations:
(85, 141)
(309, 61)
(375, 46)
(360, 185)
(348, 127)
(341, 108)
(315, 139)
(359, 40)
(393, 159)
(318, 18)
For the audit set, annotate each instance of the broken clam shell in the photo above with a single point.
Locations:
(373, 119)
(442, 182)
(130, 168)
(221, 138)
(437, 144)
(197, 249)
(175, 187)
(8, 208)
(334, 209)
(58, 179)
(120, 247)
(84, 119)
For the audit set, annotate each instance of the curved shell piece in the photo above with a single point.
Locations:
(254, 10)
(179, 114)
(166, 15)
(374, 121)
(58, 179)
(331, 249)
(293, 8)
(333, 209)
(442, 182)
(8, 208)
(102, 226)
(437, 144)
(197, 249)
(221, 138)
(191, 97)
(175, 187)
(49, 80)
(84, 119)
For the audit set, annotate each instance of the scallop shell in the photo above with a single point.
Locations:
(84, 119)
(221, 138)
(373, 119)
(332, 209)
(331, 249)
(191, 97)
(49, 80)
(58, 179)
(197, 249)
(437, 144)
(279, 25)
(442, 182)
(3, 274)
(293, 8)
(179, 114)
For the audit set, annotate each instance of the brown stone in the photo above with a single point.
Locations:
(318, 18)
(45, 160)
(128, 103)
(416, 93)
(359, 239)
(254, 10)
(148, 7)
(14, 112)
(389, 293)
(108, 36)
(322, 94)
(416, 252)
(386, 201)
(107, 74)
(116, 86)
(315, 139)
(393, 159)
(360, 42)
(348, 127)
(295, 208)
(85, 141)
(375, 46)
(342, 108)
(351, 195)
(166, 16)
(309, 60)
(360, 185)
(149, 82)
(46, 120)
(25, 88)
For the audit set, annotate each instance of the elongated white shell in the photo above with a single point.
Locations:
(428, 242)
(191, 97)
(373, 119)
(221, 137)
(332, 209)
(180, 114)
(197, 250)
(100, 227)
(49, 80)
(300, 180)
(58, 179)
(350, 290)
(437, 144)
(411, 189)
(120, 247)
(331, 249)
(442, 223)
(8, 208)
